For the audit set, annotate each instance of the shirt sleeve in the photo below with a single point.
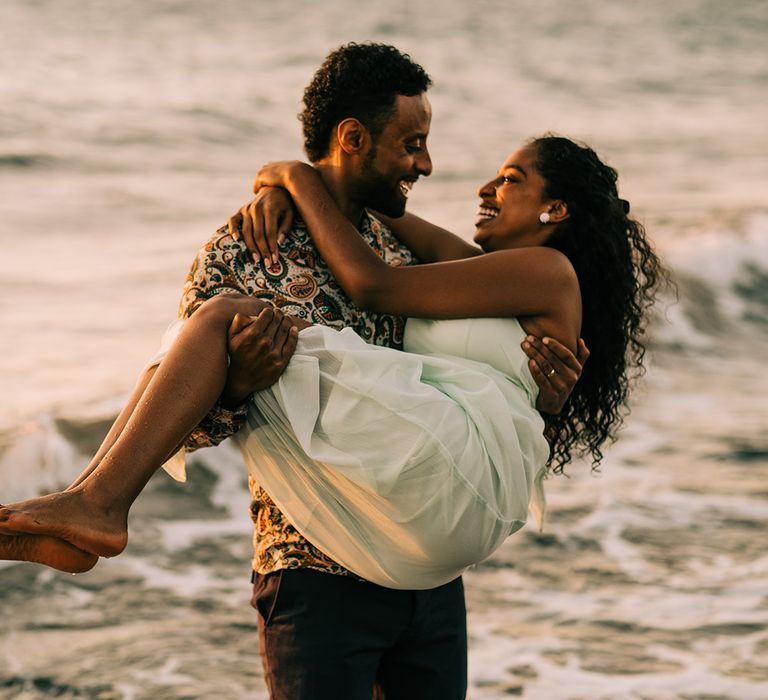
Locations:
(221, 265)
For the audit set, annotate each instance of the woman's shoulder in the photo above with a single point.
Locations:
(535, 264)
(542, 255)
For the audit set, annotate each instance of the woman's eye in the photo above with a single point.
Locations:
(507, 179)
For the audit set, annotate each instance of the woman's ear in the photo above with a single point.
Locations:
(558, 211)
(352, 136)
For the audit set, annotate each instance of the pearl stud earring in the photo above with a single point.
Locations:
(544, 217)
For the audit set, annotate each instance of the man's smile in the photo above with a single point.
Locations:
(405, 187)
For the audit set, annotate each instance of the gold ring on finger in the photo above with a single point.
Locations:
(551, 373)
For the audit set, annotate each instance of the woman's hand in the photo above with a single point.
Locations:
(555, 369)
(264, 223)
(282, 173)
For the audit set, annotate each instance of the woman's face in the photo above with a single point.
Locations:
(508, 216)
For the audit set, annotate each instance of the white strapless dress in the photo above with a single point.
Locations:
(404, 467)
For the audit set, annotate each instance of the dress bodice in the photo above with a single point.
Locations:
(493, 341)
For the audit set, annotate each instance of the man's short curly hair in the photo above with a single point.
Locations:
(360, 81)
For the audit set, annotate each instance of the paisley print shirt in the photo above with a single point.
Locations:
(300, 284)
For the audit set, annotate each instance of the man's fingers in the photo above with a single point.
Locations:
(289, 347)
(239, 322)
(551, 354)
(271, 330)
(262, 320)
(544, 374)
(555, 351)
(582, 352)
(555, 369)
(554, 378)
(281, 335)
(252, 344)
(283, 344)
(546, 361)
(545, 378)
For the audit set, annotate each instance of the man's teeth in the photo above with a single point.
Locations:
(487, 213)
(405, 187)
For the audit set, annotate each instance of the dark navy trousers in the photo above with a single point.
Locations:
(329, 637)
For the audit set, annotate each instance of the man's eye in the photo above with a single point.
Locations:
(507, 179)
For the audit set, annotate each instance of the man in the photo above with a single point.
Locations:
(324, 632)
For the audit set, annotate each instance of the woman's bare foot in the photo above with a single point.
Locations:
(50, 551)
(70, 516)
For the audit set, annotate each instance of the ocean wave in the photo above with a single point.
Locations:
(722, 286)
(25, 160)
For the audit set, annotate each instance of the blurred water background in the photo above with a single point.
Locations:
(128, 133)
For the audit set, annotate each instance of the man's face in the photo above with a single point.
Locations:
(397, 157)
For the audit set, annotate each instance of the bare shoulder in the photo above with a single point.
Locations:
(545, 288)
(536, 262)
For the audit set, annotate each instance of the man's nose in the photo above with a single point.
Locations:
(424, 163)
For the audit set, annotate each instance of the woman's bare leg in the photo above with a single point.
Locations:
(118, 425)
(93, 514)
(55, 552)
(52, 551)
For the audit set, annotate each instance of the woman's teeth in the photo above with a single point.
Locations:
(486, 213)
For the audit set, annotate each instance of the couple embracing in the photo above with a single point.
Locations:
(385, 457)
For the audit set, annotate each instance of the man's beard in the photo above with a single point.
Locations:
(376, 192)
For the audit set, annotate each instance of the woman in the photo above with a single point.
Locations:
(456, 443)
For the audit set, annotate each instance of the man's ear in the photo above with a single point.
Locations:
(352, 136)
(558, 211)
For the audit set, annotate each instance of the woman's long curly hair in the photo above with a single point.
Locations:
(618, 272)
